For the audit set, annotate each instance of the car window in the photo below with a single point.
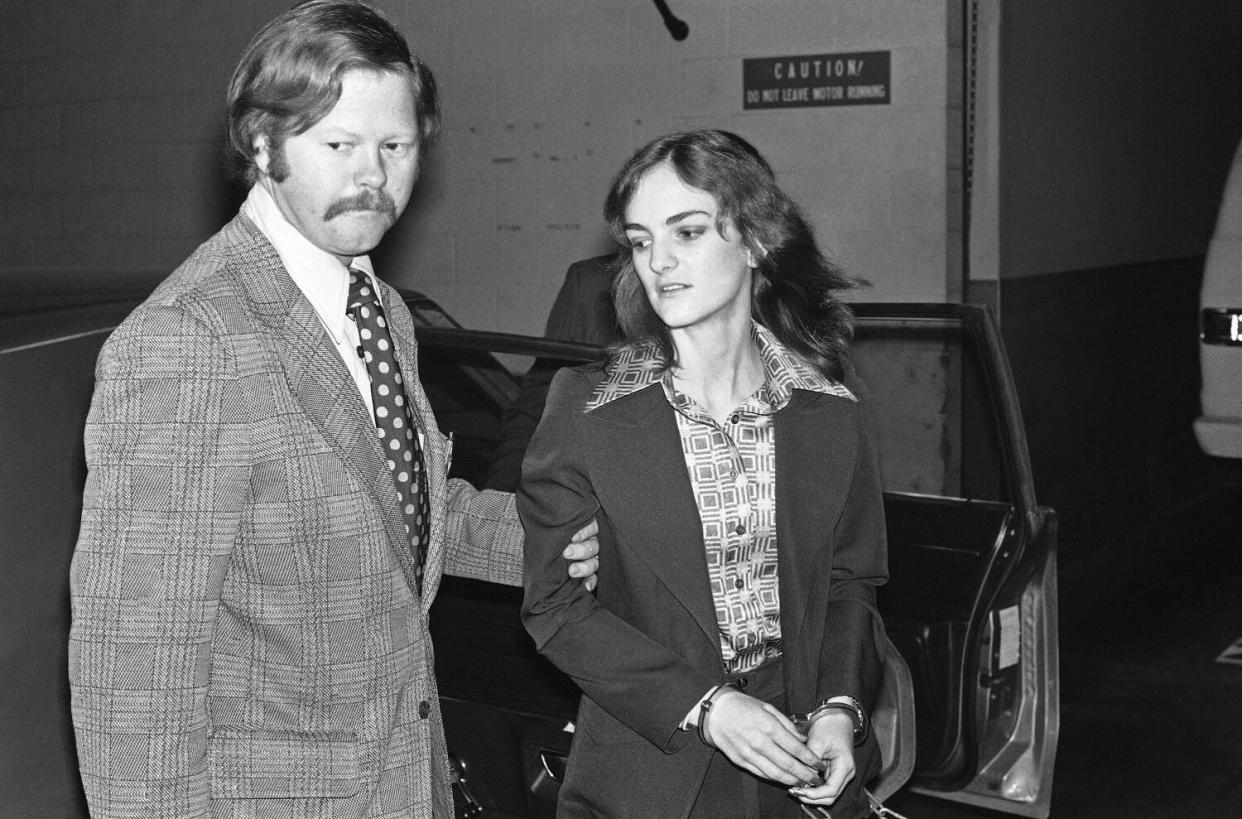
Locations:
(470, 392)
(935, 425)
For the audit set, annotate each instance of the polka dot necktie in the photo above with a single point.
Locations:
(394, 422)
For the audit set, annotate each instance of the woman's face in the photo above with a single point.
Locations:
(694, 277)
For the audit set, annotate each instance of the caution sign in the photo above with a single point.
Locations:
(857, 78)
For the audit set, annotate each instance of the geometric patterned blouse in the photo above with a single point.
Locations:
(732, 468)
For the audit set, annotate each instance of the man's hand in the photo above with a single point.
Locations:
(583, 549)
(761, 739)
(832, 740)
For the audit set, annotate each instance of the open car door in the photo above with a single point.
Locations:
(971, 603)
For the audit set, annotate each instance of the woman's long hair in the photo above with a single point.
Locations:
(794, 288)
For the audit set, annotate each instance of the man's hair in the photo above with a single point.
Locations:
(289, 77)
(794, 287)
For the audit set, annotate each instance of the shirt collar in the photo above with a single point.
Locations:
(637, 367)
(787, 371)
(317, 273)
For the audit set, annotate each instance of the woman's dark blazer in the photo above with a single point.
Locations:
(645, 647)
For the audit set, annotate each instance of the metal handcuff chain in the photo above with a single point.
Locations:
(877, 809)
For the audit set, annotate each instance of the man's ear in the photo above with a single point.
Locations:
(262, 154)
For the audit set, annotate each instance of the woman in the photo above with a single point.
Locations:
(725, 452)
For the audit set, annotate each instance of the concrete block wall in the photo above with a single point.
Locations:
(1116, 133)
(1115, 144)
(544, 102)
(111, 121)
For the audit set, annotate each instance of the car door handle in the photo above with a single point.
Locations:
(554, 764)
(547, 773)
(465, 806)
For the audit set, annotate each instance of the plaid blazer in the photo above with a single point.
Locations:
(246, 638)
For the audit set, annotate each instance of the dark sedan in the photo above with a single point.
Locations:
(971, 604)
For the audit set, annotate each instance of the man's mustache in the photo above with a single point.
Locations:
(378, 201)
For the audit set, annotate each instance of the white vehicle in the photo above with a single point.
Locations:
(1219, 428)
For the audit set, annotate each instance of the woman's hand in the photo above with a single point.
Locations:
(761, 739)
(831, 739)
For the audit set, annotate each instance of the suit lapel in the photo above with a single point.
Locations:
(815, 451)
(641, 474)
(320, 382)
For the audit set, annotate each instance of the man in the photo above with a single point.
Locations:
(583, 308)
(268, 514)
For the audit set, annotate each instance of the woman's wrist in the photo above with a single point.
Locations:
(842, 705)
(705, 711)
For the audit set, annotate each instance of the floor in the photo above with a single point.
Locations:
(1151, 721)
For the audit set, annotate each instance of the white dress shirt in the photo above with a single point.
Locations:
(320, 276)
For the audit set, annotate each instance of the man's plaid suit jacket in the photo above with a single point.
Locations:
(246, 637)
